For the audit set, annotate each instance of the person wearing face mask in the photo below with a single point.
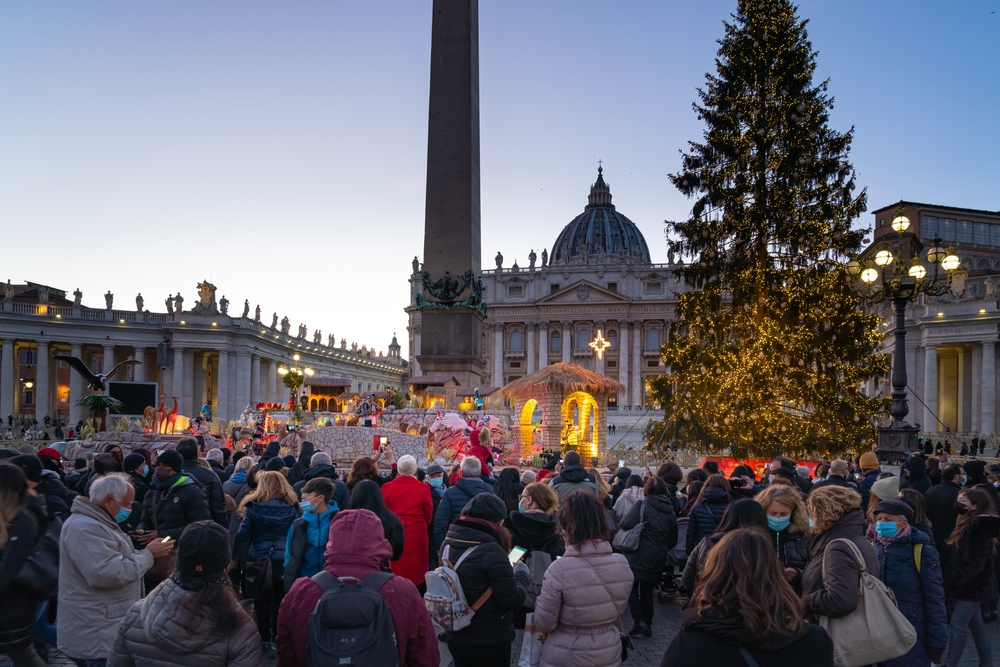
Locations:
(968, 577)
(788, 527)
(910, 567)
(137, 470)
(308, 535)
(100, 573)
(175, 501)
(434, 478)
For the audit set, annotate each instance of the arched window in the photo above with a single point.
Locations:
(555, 341)
(653, 339)
(613, 339)
(515, 341)
(582, 339)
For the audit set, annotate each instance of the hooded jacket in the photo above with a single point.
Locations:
(714, 641)
(182, 503)
(341, 496)
(919, 595)
(357, 550)
(100, 576)
(153, 634)
(305, 545)
(535, 531)
(57, 497)
(219, 471)
(17, 613)
(970, 563)
(843, 571)
(265, 526)
(626, 500)
(916, 475)
(865, 487)
(574, 478)
(454, 501)
(658, 537)
(941, 501)
(621, 479)
(705, 515)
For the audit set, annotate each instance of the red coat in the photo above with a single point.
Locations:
(356, 548)
(410, 500)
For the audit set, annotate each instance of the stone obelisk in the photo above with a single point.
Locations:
(450, 302)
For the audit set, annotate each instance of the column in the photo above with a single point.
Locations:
(220, 406)
(989, 392)
(543, 345)
(242, 380)
(976, 409)
(254, 378)
(415, 350)
(234, 409)
(638, 395)
(75, 386)
(272, 382)
(623, 332)
(529, 332)
(498, 355)
(198, 384)
(109, 359)
(930, 423)
(177, 390)
(187, 396)
(7, 388)
(139, 354)
(567, 340)
(42, 382)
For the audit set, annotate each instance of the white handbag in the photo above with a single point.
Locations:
(876, 630)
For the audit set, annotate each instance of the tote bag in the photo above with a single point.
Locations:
(628, 540)
(531, 648)
(876, 630)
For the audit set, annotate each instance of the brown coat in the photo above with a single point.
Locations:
(583, 595)
(843, 573)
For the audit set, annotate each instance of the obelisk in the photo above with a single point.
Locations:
(450, 303)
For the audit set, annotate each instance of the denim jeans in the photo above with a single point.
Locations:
(967, 617)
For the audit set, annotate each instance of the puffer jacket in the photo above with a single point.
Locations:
(792, 549)
(153, 634)
(574, 479)
(843, 571)
(57, 497)
(182, 503)
(628, 498)
(100, 577)
(584, 593)
(487, 567)
(919, 595)
(213, 490)
(237, 488)
(17, 613)
(265, 526)
(705, 515)
(659, 536)
(970, 563)
(454, 501)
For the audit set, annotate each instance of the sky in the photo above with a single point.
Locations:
(279, 149)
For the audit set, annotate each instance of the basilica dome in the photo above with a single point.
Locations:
(600, 228)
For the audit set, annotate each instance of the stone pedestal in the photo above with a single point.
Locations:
(451, 344)
(896, 441)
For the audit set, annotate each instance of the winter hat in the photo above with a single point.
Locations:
(80, 464)
(31, 465)
(974, 470)
(133, 461)
(434, 469)
(6, 454)
(886, 489)
(896, 508)
(528, 477)
(171, 458)
(486, 506)
(105, 463)
(49, 453)
(623, 473)
(542, 474)
(203, 551)
(868, 461)
(289, 460)
(275, 464)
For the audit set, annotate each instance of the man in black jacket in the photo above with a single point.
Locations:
(837, 477)
(297, 471)
(458, 495)
(321, 466)
(188, 449)
(175, 501)
(941, 512)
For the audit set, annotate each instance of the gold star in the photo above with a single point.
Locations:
(599, 345)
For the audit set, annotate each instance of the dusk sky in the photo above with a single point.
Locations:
(279, 149)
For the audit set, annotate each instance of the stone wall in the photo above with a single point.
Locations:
(346, 443)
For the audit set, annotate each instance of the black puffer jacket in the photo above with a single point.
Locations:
(705, 515)
(970, 564)
(213, 490)
(487, 567)
(57, 497)
(181, 502)
(454, 501)
(340, 494)
(659, 535)
(535, 531)
(792, 550)
(140, 486)
(17, 613)
(916, 475)
(298, 471)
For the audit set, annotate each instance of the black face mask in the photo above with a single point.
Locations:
(960, 508)
(163, 473)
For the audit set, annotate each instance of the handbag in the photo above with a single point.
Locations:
(628, 540)
(876, 630)
(39, 574)
(163, 566)
(258, 577)
(531, 647)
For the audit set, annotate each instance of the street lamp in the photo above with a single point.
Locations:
(874, 282)
(294, 377)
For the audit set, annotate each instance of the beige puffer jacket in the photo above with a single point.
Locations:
(152, 635)
(583, 595)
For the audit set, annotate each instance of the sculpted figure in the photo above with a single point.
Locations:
(416, 264)
(285, 324)
(256, 314)
(224, 305)
(139, 302)
(531, 260)
(317, 336)
(545, 257)
(77, 296)
(109, 300)
(274, 321)
(179, 303)
(170, 304)
(499, 259)
(246, 307)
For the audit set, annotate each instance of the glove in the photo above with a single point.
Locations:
(521, 569)
(936, 654)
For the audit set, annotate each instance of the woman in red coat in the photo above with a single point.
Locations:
(410, 500)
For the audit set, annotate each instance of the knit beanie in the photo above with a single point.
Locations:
(275, 464)
(486, 506)
(203, 551)
(868, 461)
(886, 489)
(171, 458)
(31, 465)
(133, 461)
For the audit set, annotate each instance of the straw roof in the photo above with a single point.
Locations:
(564, 378)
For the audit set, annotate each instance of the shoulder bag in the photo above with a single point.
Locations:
(876, 630)
(40, 572)
(628, 540)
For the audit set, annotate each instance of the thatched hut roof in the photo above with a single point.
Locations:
(564, 378)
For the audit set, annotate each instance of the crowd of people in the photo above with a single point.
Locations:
(185, 556)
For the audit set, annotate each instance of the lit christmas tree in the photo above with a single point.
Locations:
(771, 347)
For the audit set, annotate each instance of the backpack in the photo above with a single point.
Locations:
(538, 562)
(445, 599)
(351, 623)
(39, 574)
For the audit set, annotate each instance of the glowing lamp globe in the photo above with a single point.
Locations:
(900, 223)
(951, 261)
(883, 257)
(853, 267)
(917, 269)
(869, 275)
(935, 254)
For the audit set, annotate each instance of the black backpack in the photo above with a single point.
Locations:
(351, 623)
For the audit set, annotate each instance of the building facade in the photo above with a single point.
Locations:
(198, 354)
(598, 279)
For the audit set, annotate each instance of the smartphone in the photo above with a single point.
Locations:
(166, 539)
(621, 463)
(516, 554)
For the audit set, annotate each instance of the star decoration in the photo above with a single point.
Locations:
(599, 344)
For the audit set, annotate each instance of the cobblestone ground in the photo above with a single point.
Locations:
(648, 651)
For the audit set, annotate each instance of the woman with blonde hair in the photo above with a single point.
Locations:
(268, 512)
(835, 512)
(533, 524)
(788, 526)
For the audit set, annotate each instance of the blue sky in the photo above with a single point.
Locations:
(279, 149)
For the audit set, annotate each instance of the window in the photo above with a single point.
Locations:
(515, 290)
(928, 227)
(881, 223)
(582, 339)
(555, 342)
(653, 339)
(27, 357)
(654, 288)
(553, 288)
(996, 234)
(652, 364)
(612, 363)
(613, 339)
(612, 287)
(515, 364)
(29, 398)
(982, 233)
(946, 229)
(515, 341)
(963, 231)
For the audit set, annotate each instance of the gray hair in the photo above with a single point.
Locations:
(113, 485)
(802, 470)
(320, 459)
(471, 467)
(214, 455)
(244, 463)
(406, 465)
(528, 476)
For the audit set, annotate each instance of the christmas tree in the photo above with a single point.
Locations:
(770, 348)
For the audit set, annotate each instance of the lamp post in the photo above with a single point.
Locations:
(293, 378)
(875, 282)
